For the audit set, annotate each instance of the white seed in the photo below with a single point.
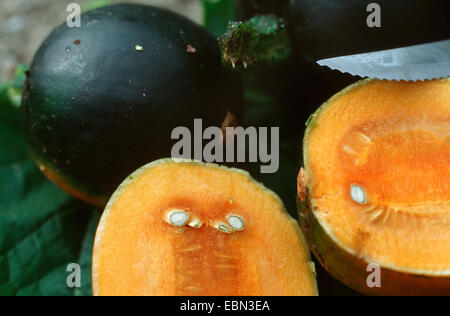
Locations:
(350, 150)
(195, 223)
(177, 218)
(358, 194)
(365, 138)
(236, 222)
(223, 228)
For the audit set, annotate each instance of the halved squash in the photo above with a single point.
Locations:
(376, 186)
(179, 227)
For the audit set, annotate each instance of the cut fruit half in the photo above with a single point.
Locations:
(376, 186)
(187, 228)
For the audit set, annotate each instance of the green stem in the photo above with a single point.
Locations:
(259, 43)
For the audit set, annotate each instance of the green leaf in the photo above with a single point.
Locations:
(9, 114)
(217, 14)
(11, 98)
(85, 259)
(96, 4)
(42, 229)
(15, 89)
(20, 76)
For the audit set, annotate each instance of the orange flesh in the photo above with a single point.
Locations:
(393, 140)
(138, 253)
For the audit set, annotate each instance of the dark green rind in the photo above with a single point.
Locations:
(95, 110)
(346, 267)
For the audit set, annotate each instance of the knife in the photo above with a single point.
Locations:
(414, 63)
(412, 42)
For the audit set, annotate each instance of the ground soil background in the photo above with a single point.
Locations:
(24, 24)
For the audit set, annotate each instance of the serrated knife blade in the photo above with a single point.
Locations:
(413, 63)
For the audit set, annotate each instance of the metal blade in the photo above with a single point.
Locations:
(413, 63)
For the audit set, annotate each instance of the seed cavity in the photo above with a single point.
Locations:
(358, 194)
(236, 222)
(224, 228)
(177, 218)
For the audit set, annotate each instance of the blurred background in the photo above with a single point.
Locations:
(24, 24)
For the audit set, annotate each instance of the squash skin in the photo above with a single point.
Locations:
(95, 107)
(133, 177)
(339, 261)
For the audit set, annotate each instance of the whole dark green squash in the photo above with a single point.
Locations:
(102, 100)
